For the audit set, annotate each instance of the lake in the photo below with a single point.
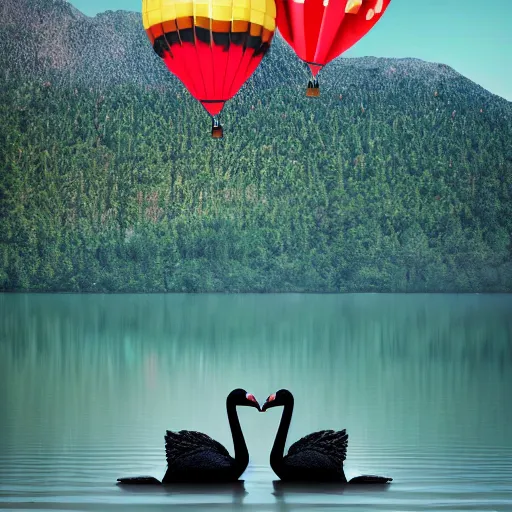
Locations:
(90, 383)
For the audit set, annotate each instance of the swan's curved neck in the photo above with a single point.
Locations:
(241, 452)
(276, 455)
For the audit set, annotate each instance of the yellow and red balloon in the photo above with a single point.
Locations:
(212, 46)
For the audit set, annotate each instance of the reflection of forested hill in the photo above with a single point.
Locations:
(306, 330)
(110, 180)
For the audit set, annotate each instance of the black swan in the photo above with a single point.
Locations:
(196, 457)
(317, 457)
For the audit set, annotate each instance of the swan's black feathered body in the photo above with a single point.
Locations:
(317, 457)
(197, 458)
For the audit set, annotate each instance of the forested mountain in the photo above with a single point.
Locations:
(398, 178)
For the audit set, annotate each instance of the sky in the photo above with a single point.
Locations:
(474, 37)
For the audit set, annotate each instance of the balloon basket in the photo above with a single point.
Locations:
(313, 90)
(217, 131)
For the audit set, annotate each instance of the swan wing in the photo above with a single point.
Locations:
(188, 442)
(330, 443)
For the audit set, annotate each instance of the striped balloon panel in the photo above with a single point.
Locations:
(212, 46)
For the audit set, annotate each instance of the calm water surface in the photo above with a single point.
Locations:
(89, 384)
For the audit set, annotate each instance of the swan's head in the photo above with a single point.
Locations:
(281, 397)
(241, 397)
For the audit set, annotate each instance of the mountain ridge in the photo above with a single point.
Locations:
(112, 48)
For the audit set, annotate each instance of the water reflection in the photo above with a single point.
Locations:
(465, 327)
(289, 494)
(229, 493)
(91, 383)
(283, 489)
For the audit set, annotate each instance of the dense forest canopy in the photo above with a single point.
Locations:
(398, 178)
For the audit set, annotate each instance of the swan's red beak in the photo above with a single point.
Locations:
(252, 399)
(268, 403)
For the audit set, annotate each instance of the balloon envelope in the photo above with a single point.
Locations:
(321, 30)
(212, 46)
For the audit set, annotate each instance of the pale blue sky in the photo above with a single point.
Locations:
(472, 36)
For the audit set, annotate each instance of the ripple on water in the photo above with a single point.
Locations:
(455, 479)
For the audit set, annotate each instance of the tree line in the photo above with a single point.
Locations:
(366, 189)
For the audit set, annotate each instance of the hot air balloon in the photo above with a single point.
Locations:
(212, 46)
(321, 30)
